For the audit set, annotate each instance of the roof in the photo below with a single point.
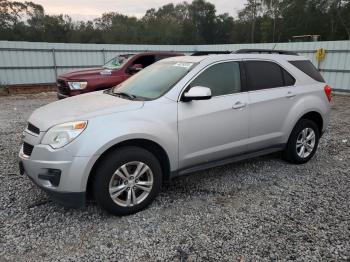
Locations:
(265, 51)
(159, 53)
(216, 58)
(200, 53)
(188, 59)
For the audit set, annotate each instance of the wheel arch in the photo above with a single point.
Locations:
(315, 117)
(310, 115)
(157, 150)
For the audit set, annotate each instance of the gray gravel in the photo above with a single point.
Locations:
(260, 209)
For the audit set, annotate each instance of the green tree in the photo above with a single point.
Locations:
(163, 25)
(195, 22)
(249, 14)
(342, 11)
(274, 11)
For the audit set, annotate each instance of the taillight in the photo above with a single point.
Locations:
(328, 92)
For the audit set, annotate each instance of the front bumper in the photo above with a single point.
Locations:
(67, 199)
(62, 176)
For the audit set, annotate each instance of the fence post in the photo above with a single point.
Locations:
(54, 62)
(103, 56)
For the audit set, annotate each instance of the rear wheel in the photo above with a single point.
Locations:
(302, 143)
(127, 180)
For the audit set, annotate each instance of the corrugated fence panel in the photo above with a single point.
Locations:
(34, 63)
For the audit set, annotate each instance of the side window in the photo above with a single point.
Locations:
(263, 75)
(222, 79)
(145, 60)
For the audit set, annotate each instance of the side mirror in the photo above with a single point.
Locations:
(197, 93)
(135, 68)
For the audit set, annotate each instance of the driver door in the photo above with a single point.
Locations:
(217, 128)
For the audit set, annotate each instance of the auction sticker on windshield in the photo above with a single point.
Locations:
(185, 65)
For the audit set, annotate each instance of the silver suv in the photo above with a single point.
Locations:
(177, 116)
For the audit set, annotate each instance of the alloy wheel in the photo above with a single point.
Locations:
(131, 183)
(306, 141)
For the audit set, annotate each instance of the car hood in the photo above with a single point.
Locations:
(86, 74)
(81, 107)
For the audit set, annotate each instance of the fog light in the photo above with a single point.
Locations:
(52, 175)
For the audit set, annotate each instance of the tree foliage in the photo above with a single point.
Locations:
(185, 23)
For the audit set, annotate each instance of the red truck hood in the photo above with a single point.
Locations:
(84, 74)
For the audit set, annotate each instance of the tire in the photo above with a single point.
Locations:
(128, 191)
(293, 152)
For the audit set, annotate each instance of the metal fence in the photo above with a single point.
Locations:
(40, 63)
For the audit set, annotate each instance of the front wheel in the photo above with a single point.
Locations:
(302, 143)
(127, 180)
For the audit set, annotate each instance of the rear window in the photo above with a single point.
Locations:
(308, 68)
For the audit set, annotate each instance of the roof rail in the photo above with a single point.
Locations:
(199, 53)
(264, 51)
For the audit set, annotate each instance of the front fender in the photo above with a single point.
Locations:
(103, 132)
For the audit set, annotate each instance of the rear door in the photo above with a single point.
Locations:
(216, 128)
(271, 95)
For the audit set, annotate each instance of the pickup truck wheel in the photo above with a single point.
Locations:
(127, 180)
(302, 143)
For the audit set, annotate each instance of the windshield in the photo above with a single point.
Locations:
(118, 61)
(155, 80)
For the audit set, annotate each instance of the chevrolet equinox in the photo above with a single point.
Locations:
(177, 116)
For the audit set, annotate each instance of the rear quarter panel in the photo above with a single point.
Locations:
(309, 98)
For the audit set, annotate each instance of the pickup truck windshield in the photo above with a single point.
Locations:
(117, 62)
(155, 80)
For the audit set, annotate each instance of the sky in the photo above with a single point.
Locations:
(90, 9)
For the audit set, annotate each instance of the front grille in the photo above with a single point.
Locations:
(62, 87)
(33, 129)
(27, 149)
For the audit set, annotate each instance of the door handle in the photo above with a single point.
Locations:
(290, 94)
(239, 105)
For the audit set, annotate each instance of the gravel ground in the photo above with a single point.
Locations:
(260, 209)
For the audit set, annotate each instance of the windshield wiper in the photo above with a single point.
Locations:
(130, 96)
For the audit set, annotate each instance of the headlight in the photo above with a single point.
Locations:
(77, 85)
(61, 135)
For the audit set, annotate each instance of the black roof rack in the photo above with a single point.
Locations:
(264, 51)
(199, 53)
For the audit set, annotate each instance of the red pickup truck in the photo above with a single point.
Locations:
(111, 74)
